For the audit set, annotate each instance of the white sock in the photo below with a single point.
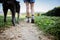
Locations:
(32, 16)
(27, 18)
(32, 12)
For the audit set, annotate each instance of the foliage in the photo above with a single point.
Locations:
(53, 12)
(49, 25)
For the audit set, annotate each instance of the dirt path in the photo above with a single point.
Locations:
(23, 31)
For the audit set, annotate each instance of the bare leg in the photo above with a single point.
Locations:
(32, 12)
(27, 10)
(32, 8)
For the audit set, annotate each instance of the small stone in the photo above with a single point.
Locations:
(19, 36)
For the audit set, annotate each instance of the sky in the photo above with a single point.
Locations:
(40, 5)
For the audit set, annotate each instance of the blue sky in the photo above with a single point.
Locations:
(40, 5)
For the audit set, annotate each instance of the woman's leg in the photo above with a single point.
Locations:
(32, 8)
(32, 12)
(27, 11)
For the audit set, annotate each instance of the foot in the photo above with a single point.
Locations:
(32, 20)
(27, 21)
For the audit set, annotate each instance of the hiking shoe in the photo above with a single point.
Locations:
(32, 20)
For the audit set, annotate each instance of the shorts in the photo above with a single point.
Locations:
(30, 1)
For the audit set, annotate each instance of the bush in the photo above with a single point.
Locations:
(49, 25)
(53, 12)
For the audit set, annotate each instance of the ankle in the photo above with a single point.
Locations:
(32, 17)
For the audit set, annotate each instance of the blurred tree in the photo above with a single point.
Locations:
(54, 12)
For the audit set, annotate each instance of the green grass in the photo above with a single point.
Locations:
(50, 25)
(7, 24)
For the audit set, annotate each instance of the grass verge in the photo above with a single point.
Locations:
(50, 25)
